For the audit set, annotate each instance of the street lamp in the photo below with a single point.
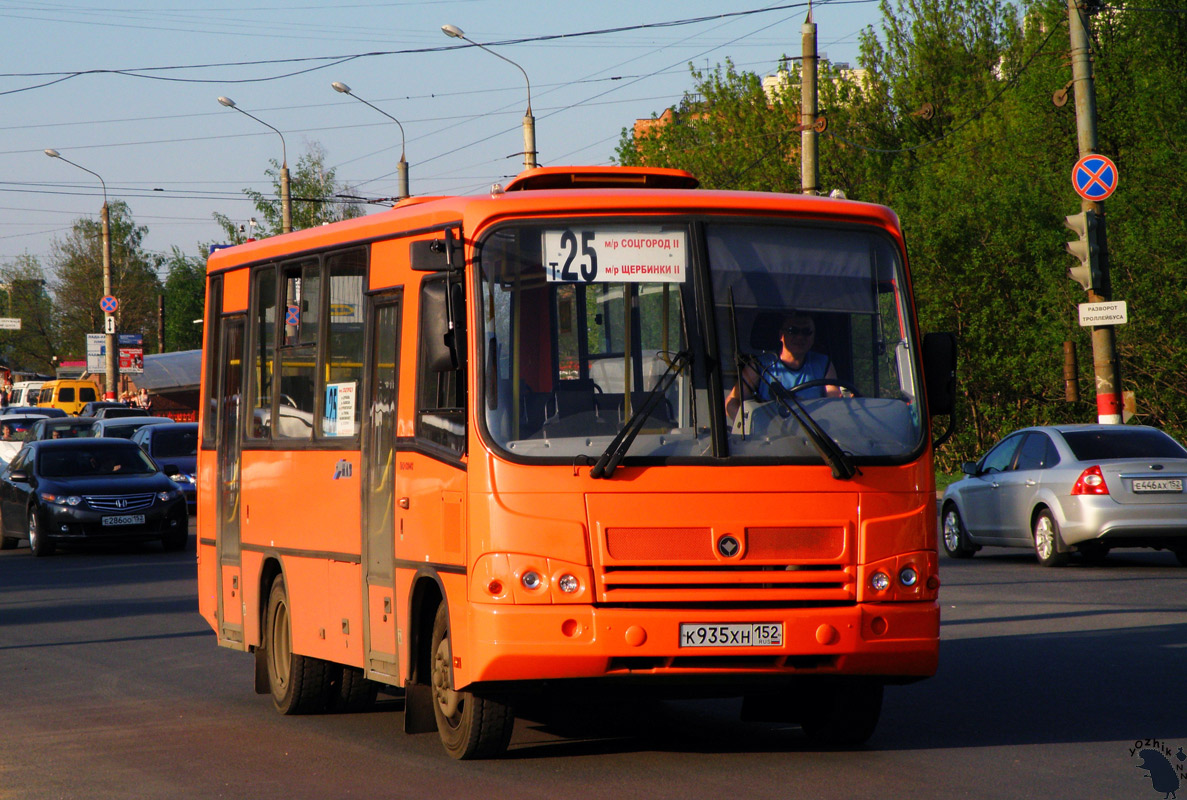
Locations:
(529, 122)
(112, 375)
(286, 199)
(402, 167)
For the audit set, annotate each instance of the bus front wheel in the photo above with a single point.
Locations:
(471, 726)
(299, 684)
(842, 713)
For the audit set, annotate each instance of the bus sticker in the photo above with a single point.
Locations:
(615, 255)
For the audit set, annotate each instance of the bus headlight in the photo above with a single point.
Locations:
(568, 583)
(908, 576)
(880, 581)
(531, 580)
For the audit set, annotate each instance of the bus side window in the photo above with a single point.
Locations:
(441, 383)
(301, 295)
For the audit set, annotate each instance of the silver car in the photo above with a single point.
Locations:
(1065, 488)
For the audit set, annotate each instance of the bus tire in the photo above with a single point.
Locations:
(352, 691)
(842, 713)
(298, 684)
(470, 726)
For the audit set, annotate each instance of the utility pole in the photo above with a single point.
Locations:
(1092, 249)
(809, 170)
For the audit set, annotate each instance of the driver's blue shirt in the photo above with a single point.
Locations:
(775, 369)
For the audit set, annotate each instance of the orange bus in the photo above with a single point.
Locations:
(471, 449)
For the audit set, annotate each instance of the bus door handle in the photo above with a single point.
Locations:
(403, 501)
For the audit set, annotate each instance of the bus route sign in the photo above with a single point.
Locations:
(615, 255)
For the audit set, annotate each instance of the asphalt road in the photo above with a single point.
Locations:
(111, 686)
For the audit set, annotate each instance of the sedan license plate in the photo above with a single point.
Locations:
(1158, 485)
(125, 519)
(745, 634)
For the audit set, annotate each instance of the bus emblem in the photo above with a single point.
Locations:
(728, 546)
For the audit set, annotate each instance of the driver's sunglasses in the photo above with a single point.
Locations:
(795, 330)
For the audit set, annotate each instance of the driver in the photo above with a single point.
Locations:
(796, 363)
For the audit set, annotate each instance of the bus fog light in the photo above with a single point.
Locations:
(568, 583)
(908, 576)
(531, 580)
(880, 581)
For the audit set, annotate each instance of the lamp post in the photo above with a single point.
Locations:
(112, 373)
(529, 122)
(402, 167)
(286, 199)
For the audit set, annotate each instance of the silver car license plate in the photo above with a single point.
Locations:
(125, 519)
(745, 634)
(1158, 484)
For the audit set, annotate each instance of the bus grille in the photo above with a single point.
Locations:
(786, 565)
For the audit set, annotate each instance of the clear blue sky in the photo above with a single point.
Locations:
(163, 143)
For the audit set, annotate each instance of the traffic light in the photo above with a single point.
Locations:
(1089, 226)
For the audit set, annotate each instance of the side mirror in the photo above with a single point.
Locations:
(969, 468)
(20, 476)
(939, 372)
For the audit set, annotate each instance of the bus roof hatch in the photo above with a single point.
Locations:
(602, 178)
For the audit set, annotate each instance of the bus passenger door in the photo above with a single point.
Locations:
(378, 487)
(230, 577)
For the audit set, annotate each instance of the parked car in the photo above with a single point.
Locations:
(41, 411)
(124, 427)
(174, 445)
(1065, 488)
(58, 428)
(85, 490)
(13, 431)
(104, 409)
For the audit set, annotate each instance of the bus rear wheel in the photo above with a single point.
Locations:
(299, 684)
(842, 713)
(470, 726)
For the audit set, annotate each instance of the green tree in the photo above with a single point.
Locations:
(77, 262)
(25, 298)
(185, 294)
(952, 124)
(317, 198)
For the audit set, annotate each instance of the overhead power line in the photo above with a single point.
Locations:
(324, 62)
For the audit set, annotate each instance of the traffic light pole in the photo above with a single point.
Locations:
(1094, 240)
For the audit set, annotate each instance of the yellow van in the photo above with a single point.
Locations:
(68, 395)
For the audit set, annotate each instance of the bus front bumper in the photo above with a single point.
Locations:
(899, 641)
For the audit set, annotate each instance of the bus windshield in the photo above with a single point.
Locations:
(583, 318)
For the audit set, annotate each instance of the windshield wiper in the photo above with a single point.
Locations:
(610, 459)
(841, 464)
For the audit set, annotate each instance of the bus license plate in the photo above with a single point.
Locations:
(125, 519)
(745, 634)
(1159, 485)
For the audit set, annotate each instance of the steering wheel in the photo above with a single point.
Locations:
(824, 382)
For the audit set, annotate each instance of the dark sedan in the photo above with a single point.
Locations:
(88, 490)
(174, 445)
(59, 428)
